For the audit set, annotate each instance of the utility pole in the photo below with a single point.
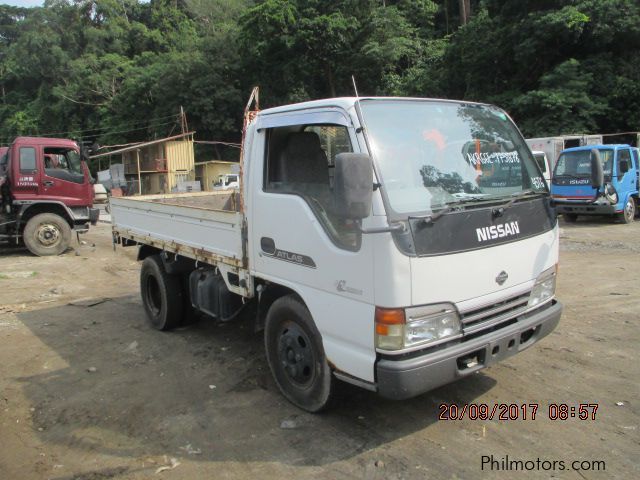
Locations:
(183, 121)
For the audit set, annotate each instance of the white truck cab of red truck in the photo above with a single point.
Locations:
(397, 244)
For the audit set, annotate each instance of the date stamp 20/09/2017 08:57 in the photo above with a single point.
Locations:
(516, 411)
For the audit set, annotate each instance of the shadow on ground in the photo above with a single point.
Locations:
(203, 391)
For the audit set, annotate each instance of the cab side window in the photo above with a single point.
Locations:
(299, 161)
(27, 160)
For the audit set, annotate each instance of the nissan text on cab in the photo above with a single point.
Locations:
(397, 244)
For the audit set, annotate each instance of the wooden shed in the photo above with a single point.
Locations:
(157, 166)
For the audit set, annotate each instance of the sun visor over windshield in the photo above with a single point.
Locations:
(303, 118)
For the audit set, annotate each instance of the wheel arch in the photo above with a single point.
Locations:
(269, 293)
(31, 210)
(146, 251)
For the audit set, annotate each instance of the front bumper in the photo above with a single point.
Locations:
(585, 208)
(401, 379)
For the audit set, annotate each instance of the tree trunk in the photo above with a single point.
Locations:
(330, 80)
(465, 11)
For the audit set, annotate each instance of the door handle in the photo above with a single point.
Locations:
(48, 183)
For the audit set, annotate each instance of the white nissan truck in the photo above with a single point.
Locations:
(397, 244)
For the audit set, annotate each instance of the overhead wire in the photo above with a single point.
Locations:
(77, 132)
(214, 142)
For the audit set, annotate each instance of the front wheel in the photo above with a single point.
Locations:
(47, 234)
(296, 356)
(629, 211)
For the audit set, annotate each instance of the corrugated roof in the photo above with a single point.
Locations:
(141, 145)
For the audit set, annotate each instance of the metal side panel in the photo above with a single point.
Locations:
(209, 231)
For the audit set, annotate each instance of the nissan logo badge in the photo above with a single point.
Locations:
(502, 277)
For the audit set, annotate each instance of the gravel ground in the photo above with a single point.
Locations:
(89, 391)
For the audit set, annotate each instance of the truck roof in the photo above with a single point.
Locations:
(49, 141)
(589, 147)
(348, 102)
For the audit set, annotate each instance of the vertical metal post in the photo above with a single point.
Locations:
(139, 179)
(249, 116)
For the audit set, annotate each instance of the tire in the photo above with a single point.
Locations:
(629, 211)
(161, 294)
(47, 234)
(570, 217)
(296, 356)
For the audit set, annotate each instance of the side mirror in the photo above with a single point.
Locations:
(624, 166)
(597, 175)
(353, 185)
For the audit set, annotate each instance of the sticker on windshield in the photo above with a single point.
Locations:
(538, 182)
(499, 158)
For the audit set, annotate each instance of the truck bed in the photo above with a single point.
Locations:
(205, 226)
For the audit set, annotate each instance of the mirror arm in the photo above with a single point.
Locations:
(396, 227)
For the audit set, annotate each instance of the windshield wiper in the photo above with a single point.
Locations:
(499, 211)
(429, 219)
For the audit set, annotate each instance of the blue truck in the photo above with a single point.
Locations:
(577, 190)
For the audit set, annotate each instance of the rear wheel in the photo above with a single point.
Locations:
(161, 294)
(629, 211)
(47, 234)
(570, 217)
(296, 356)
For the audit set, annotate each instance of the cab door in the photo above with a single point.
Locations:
(64, 177)
(297, 239)
(625, 180)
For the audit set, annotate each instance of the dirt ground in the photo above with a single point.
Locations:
(89, 391)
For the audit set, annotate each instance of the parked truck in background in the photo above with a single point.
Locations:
(575, 192)
(397, 244)
(46, 193)
(552, 146)
(227, 181)
(543, 164)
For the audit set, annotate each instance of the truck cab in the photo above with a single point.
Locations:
(572, 184)
(47, 193)
(397, 244)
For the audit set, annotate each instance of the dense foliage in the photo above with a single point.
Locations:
(119, 70)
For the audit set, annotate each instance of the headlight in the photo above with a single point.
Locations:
(397, 329)
(544, 289)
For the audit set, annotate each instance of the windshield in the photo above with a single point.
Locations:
(578, 164)
(432, 154)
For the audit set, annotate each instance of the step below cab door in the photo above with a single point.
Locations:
(298, 240)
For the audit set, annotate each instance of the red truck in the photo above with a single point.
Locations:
(46, 192)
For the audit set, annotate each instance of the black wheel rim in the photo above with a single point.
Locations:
(153, 295)
(296, 355)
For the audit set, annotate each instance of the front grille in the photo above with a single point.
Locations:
(490, 315)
